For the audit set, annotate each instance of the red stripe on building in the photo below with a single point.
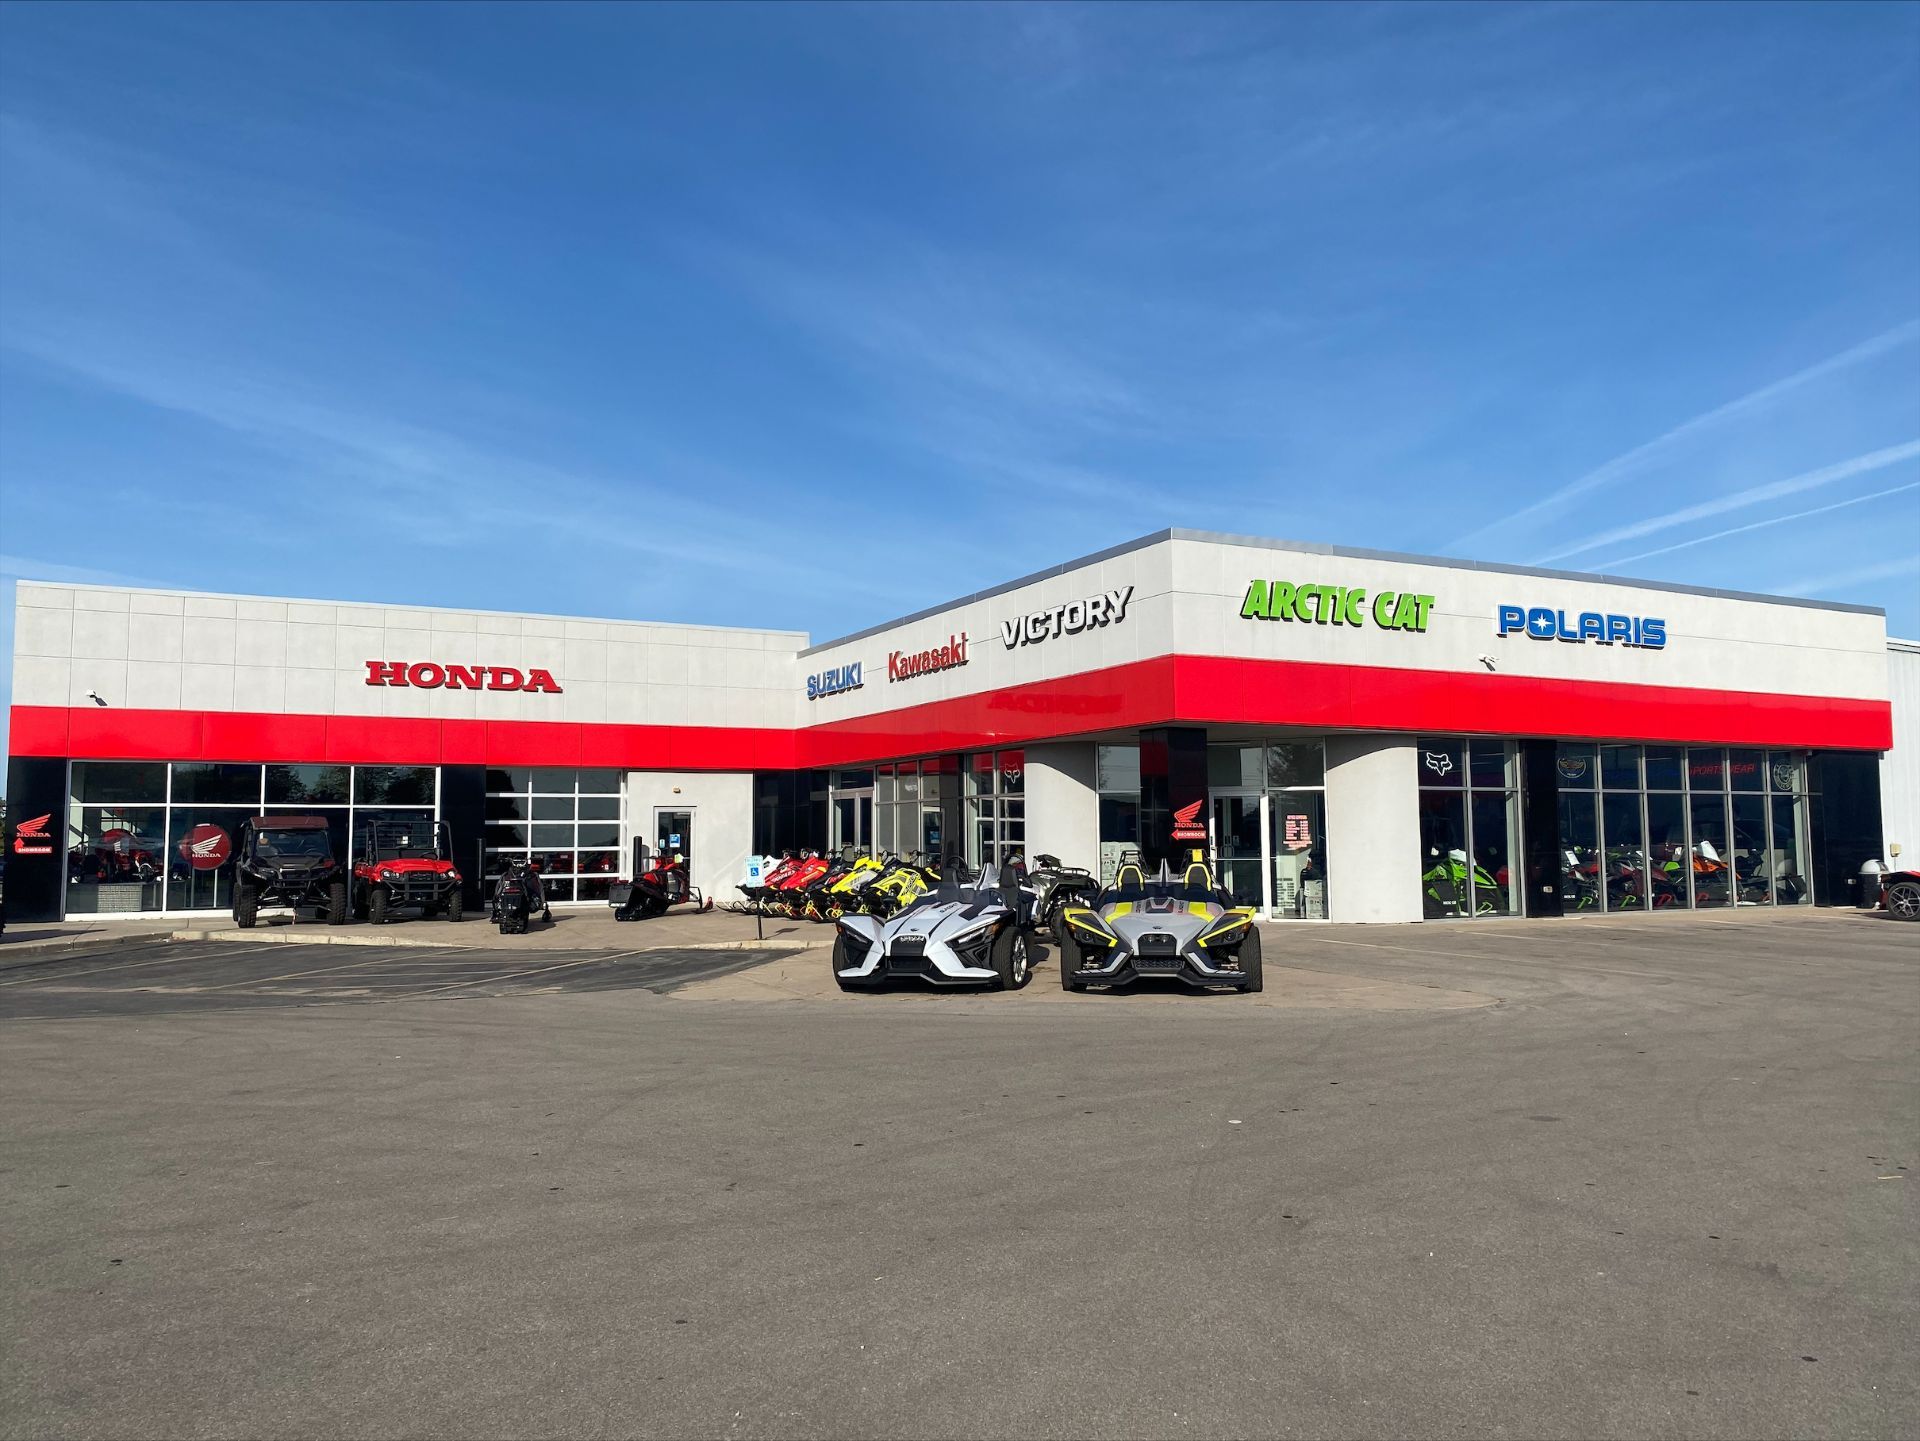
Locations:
(1196, 690)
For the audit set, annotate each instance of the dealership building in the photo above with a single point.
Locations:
(1352, 735)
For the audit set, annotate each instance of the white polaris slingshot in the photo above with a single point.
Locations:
(961, 933)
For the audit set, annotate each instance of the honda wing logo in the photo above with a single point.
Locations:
(1186, 823)
(30, 838)
(207, 847)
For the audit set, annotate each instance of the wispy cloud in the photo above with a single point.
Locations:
(1760, 525)
(457, 490)
(1740, 499)
(1846, 579)
(1642, 457)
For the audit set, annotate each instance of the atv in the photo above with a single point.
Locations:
(959, 933)
(286, 861)
(1184, 929)
(405, 864)
(1054, 887)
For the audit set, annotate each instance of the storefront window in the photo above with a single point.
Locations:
(1667, 848)
(1707, 835)
(1623, 848)
(309, 785)
(1469, 843)
(1620, 768)
(1233, 768)
(1298, 842)
(1117, 782)
(120, 782)
(211, 784)
(395, 785)
(200, 842)
(1292, 764)
(564, 823)
(1663, 771)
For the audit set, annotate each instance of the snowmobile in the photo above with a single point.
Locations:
(664, 883)
(906, 881)
(517, 899)
(1454, 886)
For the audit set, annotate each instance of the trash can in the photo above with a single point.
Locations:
(1867, 883)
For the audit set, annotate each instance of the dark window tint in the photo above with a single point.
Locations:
(1489, 763)
(599, 783)
(308, 785)
(1663, 768)
(393, 785)
(1577, 766)
(1296, 763)
(213, 784)
(1747, 770)
(120, 782)
(1707, 769)
(1620, 768)
(504, 779)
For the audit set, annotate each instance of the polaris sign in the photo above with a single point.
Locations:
(834, 680)
(1107, 608)
(1642, 632)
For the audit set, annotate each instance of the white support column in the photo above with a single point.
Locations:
(1373, 829)
(1063, 809)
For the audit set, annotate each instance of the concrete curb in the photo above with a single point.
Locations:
(14, 954)
(290, 936)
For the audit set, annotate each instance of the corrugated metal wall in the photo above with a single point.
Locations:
(1900, 767)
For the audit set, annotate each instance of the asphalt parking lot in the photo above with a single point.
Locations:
(1657, 1184)
(163, 977)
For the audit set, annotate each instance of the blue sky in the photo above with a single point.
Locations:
(812, 316)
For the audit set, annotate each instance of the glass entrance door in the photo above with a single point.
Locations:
(852, 821)
(673, 835)
(1236, 844)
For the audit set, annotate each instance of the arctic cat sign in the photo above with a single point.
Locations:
(1107, 608)
(431, 675)
(1335, 605)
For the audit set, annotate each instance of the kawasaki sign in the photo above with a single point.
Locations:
(1316, 604)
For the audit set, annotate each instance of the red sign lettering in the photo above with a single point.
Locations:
(433, 675)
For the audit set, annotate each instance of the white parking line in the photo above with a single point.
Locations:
(174, 960)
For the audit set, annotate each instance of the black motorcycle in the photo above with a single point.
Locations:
(518, 898)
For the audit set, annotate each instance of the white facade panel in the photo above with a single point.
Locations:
(211, 652)
(1900, 767)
